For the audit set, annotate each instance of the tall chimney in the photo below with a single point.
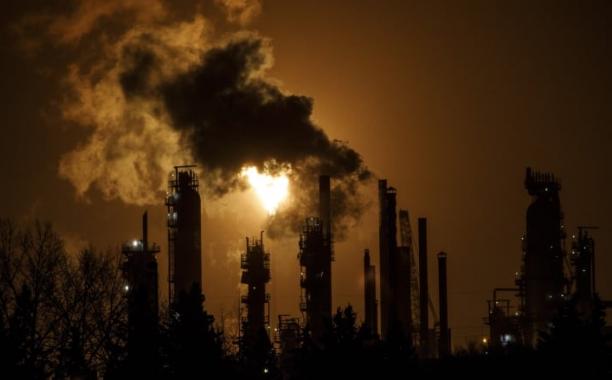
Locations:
(424, 291)
(369, 288)
(325, 204)
(444, 343)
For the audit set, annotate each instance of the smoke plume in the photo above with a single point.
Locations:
(163, 93)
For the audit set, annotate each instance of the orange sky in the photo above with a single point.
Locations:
(449, 102)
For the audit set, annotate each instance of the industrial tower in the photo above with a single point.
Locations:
(140, 273)
(404, 277)
(387, 241)
(542, 284)
(316, 256)
(444, 343)
(425, 341)
(407, 241)
(583, 262)
(395, 268)
(184, 241)
(369, 287)
(255, 265)
(545, 284)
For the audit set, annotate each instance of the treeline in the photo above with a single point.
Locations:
(65, 316)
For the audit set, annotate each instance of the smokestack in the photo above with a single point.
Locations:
(383, 246)
(325, 204)
(316, 255)
(444, 343)
(184, 236)
(424, 296)
(369, 273)
(141, 290)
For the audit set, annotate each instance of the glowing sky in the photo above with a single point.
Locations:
(271, 189)
(449, 101)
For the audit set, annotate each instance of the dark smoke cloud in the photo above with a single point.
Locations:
(231, 116)
(160, 89)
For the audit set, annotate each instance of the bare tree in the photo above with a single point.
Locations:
(63, 315)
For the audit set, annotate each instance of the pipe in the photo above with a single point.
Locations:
(444, 343)
(423, 288)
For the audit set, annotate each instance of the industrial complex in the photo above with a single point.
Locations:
(397, 302)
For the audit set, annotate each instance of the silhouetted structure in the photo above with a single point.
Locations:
(369, 291)
(288, 339)
(541, 285)
(583, 262)
(315, 256)
(387, 245)
(424, 289)
(544, 253)
(387, 240)
(184, 240)
(506, 322)
(315, 278)
(407, 241)
(403, 301)
(444, 337)
(395, 267)
(140, 272)
(255, 265)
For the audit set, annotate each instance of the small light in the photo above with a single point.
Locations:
(135, 243)
(265, 370)
(484, 340)
(126, 288)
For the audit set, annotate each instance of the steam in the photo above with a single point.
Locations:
(161, 93)
(132, 145)
(240, 11)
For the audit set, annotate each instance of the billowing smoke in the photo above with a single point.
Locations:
(240, 11)
(231, 116)
(168, 93)
(132, 145)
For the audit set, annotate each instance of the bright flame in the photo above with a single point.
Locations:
(271, 189)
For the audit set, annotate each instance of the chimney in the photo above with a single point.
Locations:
(371, 313)
(423, 288)
(444, 343)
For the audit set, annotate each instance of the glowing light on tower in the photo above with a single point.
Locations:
(271, 190)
